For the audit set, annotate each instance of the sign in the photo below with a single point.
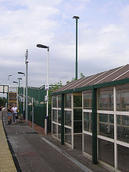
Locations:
(46, 87)
(4, 88)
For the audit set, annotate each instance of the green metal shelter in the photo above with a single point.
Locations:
(92, 114)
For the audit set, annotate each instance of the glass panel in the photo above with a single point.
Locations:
(106, 125)
(54, 100)
(123, 128)
(77, 100)
(88, 144)
(106, 118)
(123, 158)
(59, 101)
(59, 116)
(106, 151)
(77, 120)
(67, 116)
(68, 136)
(105, 99)
(87, 121)
(54, 115)
(87, 100)
(68, 101)
(122, 98)
(78, 141)
(59, 131)
(54, 130)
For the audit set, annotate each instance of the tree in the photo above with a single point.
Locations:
(82, 75)
(73, 79)
(53, 88)
(3, 101)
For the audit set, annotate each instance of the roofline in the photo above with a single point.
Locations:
(106, 84)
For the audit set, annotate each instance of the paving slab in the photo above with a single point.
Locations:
(34, 152)
(6, 159)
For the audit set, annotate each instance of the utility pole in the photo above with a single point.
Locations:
(26, 62)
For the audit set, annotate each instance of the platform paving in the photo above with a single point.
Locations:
(6, 159)
(34, 152)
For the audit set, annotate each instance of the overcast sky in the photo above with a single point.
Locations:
(103, 37)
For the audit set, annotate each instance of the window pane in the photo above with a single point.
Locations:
(54, 115)
(77, 121)
(54, 100)
(54, 130)
(122, 98)
(88, 144)
(59, 101)
(87, 121)
(59, 116)
(106, 118)
(123, 128)
(106, 151)
(59, 131)
(77, 100)
(103, 117)
(67, 116)
(87, 100)
(68, 101)
(105, 99)
(123, 158)
(68, 137)
(105, 125)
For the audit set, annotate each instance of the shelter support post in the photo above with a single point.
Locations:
(62, 119)
(94, 126)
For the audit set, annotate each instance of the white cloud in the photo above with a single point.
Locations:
(28, 22)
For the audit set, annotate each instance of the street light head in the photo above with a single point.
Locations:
(19, 78)
(42, 46)
(15, 82)
(21, 73)
(75, 17)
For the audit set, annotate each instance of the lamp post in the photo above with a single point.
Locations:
(15, 82)
(19, 79)
(9, 80)
(26, 62)
(22, 73)
(9, 77)
(76, 63)
(47, 83)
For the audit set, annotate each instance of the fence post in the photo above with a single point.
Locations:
(32, 112)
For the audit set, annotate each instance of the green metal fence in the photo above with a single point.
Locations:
(39, 104)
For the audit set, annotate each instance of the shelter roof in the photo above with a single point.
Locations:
(115, 74)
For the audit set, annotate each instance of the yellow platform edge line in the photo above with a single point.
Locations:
(6, 158)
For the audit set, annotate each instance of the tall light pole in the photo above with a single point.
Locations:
(22, 73)
(15, 82)
(26, 62)
(9, 80)
(76, 63)
(47, 83)
(9, 77)
(19, 79)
